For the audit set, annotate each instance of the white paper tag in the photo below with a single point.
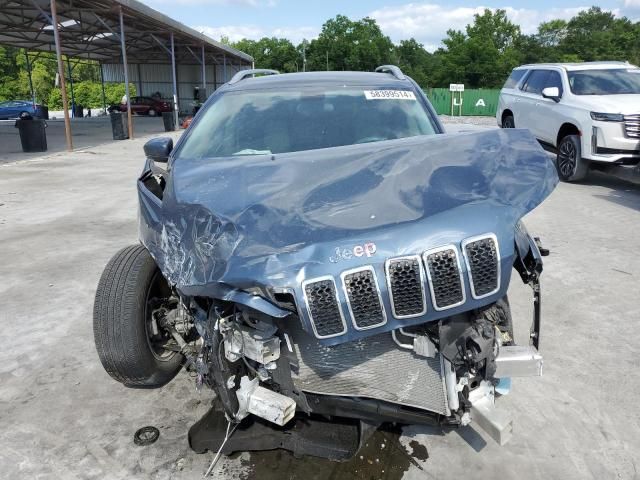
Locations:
(389, 95)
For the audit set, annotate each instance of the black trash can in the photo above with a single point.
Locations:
(32, 134)
(169, 120)
(42, 112)
(78, 111)
(119, 126)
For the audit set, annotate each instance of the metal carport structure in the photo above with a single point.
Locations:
(110, 32)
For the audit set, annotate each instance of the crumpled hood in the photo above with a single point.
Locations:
(228, 226)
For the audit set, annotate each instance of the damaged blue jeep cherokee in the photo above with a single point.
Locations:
(319, 252)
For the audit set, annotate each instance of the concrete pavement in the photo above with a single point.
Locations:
(63, 216)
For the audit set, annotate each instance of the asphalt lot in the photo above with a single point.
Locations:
(62, 216)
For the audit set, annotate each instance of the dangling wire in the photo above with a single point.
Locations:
(226, 437)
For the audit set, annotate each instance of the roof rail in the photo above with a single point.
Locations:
(393, 70)
(242, 74)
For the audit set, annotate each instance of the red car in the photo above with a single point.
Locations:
(147, 106)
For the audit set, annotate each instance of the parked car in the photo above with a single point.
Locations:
(15, 108)
(588, 112)
(319, 253)
(147, 106)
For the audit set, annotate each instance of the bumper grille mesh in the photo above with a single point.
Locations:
(632, 125)
(483, 266)
(406, 287)
(444, 274)
(323, 307)
(364, 299)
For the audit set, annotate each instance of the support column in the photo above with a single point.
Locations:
(175, 82)
(204, 72)
(215, 75)
(126, 74)
(224, 67)
(73, 97)
(33, 94)
(139, 80)
(63, 87)
(104, 97)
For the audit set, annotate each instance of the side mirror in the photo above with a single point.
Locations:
(551, 92)
(158, 149)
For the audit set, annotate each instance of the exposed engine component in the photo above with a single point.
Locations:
(264, 403)
(518, 361)
(497, 423)
(469, 344)
(242, 341)
(422, 345)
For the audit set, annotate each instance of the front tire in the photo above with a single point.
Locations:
(130, 285)
(508, 122)
(569, 162)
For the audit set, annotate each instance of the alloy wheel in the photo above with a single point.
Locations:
(567, 158)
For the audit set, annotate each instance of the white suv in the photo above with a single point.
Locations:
(588, 112)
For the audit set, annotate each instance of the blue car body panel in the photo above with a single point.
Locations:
(241, 229)
(14, 108)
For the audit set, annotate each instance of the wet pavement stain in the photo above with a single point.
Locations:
(419, 451)
(382, 457)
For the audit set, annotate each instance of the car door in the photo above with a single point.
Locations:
(510, 95)
(16, 108)
(547, 114)
(530, 95)
(136, 105)
(145, 104)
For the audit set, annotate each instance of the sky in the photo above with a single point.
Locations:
(426, 21)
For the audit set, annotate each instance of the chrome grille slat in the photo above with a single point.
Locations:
(323, 307)
(406, 279)
(363, 298)
(405, 282)
(445, 277)
(632, 125)
(482, 258)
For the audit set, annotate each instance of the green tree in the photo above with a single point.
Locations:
(275, 53)
(344, 44)
(595, 34)
(10, 85)
(484, 55)
(415, 61)
(552, 33)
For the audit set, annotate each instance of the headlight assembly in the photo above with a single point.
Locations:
(607, 117)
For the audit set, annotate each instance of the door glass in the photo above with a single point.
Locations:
(514, 78)
(536, 81)
(554, 80)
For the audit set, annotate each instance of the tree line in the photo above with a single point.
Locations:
(480, 56)
(87, 87)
